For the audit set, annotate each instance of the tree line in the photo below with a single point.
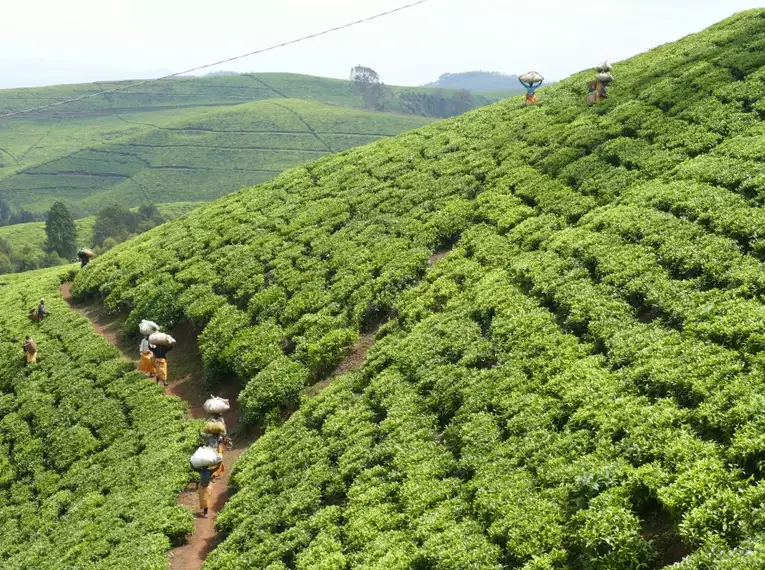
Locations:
(113, 224)
(380, 97)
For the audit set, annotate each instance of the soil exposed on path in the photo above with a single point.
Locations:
(185, 376)
(186, 379)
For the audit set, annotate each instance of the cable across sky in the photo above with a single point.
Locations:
(242, 56)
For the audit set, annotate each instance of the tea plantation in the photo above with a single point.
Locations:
(92, 456)
(190, 139)
(577, 384)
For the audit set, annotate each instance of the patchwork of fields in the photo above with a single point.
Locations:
(191, 139)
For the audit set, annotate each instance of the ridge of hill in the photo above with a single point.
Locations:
(204, 91)
(92, 456)
(64, 154)
(577, 383)
(478, 81)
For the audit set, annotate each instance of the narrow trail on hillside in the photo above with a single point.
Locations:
(186, 379)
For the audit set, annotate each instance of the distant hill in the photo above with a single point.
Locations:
(202, 156)
(478, 81)
(191, 139)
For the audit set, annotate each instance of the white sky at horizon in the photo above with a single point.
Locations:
(48, 41)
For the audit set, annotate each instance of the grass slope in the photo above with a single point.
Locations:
(207, 154)
(92, 457)
(578, 383)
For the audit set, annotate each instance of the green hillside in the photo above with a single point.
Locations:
(190, 139)
(576, 384)
(85, 481)
(199, 158)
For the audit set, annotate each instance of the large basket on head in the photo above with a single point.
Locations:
(531, 77)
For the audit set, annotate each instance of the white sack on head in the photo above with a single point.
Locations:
(161, 339)
(604, 67)
(148, 327)
(205, 457)
(216, 405)
(604, 78)
(531, 77)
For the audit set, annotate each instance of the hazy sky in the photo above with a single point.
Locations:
(101, 39)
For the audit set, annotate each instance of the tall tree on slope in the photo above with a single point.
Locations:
(61, 231)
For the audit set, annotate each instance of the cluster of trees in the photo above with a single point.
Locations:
(379, 97)
(8, 216)
(114, 224)
(477, 81)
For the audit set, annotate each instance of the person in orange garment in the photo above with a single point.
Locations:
(160, 362)
(215, 436)
(146, 365)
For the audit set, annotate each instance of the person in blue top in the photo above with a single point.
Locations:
(531, 88)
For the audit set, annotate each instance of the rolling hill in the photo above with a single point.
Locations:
(207, 154)
(567, 316)
(127, 146)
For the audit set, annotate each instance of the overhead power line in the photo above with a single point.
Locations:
(256, 52)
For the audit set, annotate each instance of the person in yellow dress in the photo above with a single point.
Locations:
(30, 350)
(160, 362)
(146, 365)
(215, 436)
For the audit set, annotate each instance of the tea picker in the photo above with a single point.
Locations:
(531, 81)
(205, 460)
(85, 255)
(160, 344)
(30, 350)
(598, 90)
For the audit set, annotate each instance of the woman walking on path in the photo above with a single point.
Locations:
(160, 362)
(204, 490)
(146, 365)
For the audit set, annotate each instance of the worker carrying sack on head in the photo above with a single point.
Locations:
(205, 460)
(204, 489)
(531, 81)
(85, 254)
(214, 435)
(160, 361)
(146, 365)
(160, 344)
(30, 350)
